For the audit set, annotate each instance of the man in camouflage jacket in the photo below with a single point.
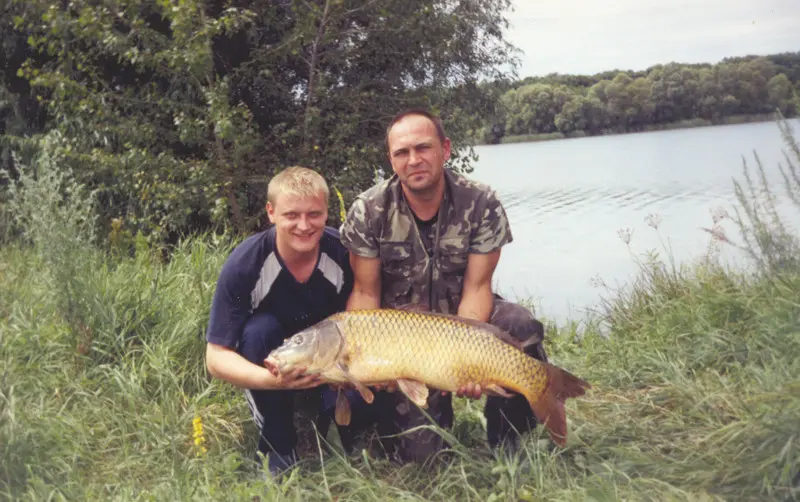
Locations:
(430, 238)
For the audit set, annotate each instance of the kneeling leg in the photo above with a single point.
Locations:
(506, 418)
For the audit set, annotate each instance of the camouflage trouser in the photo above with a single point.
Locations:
(503, 415)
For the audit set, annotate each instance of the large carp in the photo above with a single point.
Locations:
(417, 350)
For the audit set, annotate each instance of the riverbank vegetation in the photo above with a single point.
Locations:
(104, 394)
(664, 96)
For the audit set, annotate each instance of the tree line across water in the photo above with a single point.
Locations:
(628, 101)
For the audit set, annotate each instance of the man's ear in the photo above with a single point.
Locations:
(271, 212)
(446, 149)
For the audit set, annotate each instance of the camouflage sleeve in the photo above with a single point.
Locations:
(494, 230)
(356, 234)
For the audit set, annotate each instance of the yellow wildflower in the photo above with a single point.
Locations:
(198, 436)
(342, 212)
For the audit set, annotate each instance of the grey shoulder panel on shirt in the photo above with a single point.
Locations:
(269, 273)
(332, 271)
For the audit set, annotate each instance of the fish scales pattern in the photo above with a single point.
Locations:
(439, 350)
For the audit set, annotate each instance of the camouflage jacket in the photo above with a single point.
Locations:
(380, 223)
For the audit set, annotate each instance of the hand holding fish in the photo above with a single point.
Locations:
(470, 390)
(388, 387)
(294, 379)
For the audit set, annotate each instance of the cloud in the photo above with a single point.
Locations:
(582, 36)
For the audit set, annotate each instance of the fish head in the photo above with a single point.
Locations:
(316, 348)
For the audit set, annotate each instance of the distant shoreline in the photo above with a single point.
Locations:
(670, 126)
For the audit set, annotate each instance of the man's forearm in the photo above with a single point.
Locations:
(360, 300)
(230, 366)
(477, 299)
(477, 304)
(367, 283)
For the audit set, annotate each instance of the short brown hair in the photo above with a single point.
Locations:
(437, 122)
(297, 180)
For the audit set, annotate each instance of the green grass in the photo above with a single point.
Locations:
(695, 374)
(696, 395)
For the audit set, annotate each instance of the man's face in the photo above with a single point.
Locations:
(299, 221)
(417, 154)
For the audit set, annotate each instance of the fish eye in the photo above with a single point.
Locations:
(298, 340)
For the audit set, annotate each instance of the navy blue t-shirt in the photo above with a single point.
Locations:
(254, 279)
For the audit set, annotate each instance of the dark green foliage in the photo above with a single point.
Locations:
(179, 112)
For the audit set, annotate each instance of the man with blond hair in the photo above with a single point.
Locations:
(274, 284)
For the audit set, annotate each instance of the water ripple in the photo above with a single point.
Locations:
(565, 201)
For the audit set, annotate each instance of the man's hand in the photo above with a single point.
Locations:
(294, 379)
(470, 390)
(388, 387)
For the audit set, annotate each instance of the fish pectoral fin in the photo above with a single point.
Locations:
(342, 414)
(496, 390)
(362, 389)
(416, 391)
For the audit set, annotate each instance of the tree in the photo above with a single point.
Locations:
(710, 96)
(533, 108)
(781, 95)
(581, 113)
(180, 111)
(20, 111)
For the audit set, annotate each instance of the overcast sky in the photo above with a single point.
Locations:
(588, 36)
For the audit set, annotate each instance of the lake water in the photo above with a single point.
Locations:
(568, 200)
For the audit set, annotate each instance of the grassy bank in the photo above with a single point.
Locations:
(682, 124)
(696, 396)
(104, 395)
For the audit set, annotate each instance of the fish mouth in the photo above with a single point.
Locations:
(276, 362)
(283, 360)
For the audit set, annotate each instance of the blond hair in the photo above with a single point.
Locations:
(298, 181)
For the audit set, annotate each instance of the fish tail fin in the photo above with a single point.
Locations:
(549, 406)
